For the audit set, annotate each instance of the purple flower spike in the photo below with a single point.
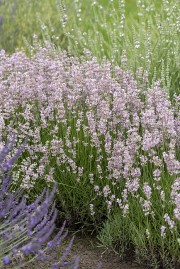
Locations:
(33, 224)
(6, 260)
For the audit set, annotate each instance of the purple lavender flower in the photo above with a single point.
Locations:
(25, 229)
(6, 260)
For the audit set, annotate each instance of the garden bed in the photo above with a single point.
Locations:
(91, 256)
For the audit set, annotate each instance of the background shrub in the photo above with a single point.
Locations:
(141, 36)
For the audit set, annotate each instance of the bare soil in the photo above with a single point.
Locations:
(91, 255)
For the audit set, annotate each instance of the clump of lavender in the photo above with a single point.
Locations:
(26, 229)
(106, 141)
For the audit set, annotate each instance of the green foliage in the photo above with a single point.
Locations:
(115, 235)
(21, 19)
(138, 241)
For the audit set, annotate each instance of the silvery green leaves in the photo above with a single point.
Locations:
(26, 229)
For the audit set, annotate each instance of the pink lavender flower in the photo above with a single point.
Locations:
(169, 221)
(106, 190)
(147, 190)
(175, 196)
(91, 208)
(146, 205)
(163, 228)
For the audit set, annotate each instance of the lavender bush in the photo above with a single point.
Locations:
(113, 147)
(146, 31)
(26, 229)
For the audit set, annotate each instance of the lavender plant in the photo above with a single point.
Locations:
(147, 33)
(112, 146)
(27, 229)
